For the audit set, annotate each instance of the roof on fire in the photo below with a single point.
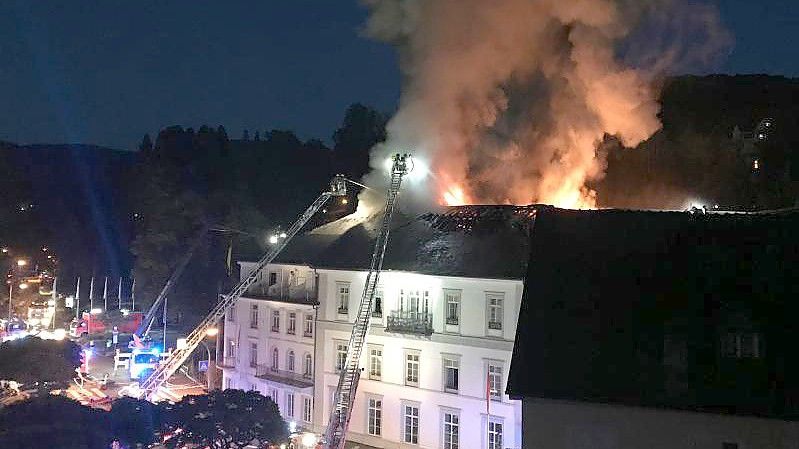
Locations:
(489, 241)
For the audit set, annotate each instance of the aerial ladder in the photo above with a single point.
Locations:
(178, 357)
(149, 317)
(350, 373)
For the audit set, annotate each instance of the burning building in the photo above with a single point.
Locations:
(441, 336)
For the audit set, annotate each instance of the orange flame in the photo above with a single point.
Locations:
(454, 196)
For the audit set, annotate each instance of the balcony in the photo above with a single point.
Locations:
(296, 291)
(228, 362)
(284, 377)
(410, 322)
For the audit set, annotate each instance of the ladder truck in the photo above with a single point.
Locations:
(149, 386)
(350, 372)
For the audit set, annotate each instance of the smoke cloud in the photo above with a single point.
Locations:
(507, 101)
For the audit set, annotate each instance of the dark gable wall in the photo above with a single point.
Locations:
(630, 307)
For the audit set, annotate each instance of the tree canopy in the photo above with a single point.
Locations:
(32, 359)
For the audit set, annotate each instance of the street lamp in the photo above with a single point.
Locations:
(23, 286)
(210, 332)
(21, 262)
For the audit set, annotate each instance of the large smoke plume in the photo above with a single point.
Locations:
(507, 101)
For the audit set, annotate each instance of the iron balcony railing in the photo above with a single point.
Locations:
(228, 362)
(288, 377)
(410, 322)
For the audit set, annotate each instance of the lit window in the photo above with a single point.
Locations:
(308, 366)
(254, 316)
(308, 329)
(290, 404)
(307, 409)
(275, 359)
(375, 363)
(495, 380)
(343, 296)
(290, 361)
(341, 356)
(495, 313)
(375, 416)
(451, 424)
(451, 368)
(494, 435)
(453, 307)
(253, 355)
(292, 326)
(756, 164)
(276, 321)
(410, 431)
(412, 369)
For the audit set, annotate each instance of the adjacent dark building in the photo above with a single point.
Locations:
(642, 329)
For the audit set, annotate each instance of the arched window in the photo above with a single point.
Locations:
(290, 361)
(275, 359)
(307, 369)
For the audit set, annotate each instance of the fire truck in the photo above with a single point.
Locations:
(102, 322)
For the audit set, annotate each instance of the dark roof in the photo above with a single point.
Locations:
(469, 241)
(632, 306)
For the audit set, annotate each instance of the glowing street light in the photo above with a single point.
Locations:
(21, 262)
(4, 250)
(273, 239)
(23, 286)
(212, 332)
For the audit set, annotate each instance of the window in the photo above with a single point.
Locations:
(253, 387)
(741, 345)
(451, 423)
(290, 404)
(375, 363)
(308, 330)
(253, 355)
(412, 369)
(254, 316)
(341, 356)
(453, 307)
(227, 383)
(292, 326)
(275, 359)
(375, 416)
(307, 368)
(494, 435)
(377, 303)
(343, 296)
(275, 321)
(231, 314)
(410, 431)
(272, 278)
(495, 380)
(495, 311)
(451, 368)
(307, 409)
(231, 348)
(290, 361)
(273, 394)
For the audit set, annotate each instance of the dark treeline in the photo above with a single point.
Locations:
(135, 213)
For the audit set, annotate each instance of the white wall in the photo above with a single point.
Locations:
(471, 346)
(570, 425)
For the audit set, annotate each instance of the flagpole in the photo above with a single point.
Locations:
(77, 300)
(105, 295)
(91, 295)
(119, 294)
(133, 295)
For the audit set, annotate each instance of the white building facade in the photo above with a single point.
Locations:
(434, 368)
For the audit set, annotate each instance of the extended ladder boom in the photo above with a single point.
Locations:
(147, 322)
(179, 356)
(350, 372)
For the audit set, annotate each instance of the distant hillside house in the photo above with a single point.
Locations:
(659, 330)
(441, 338)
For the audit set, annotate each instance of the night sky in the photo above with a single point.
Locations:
(107, 72)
